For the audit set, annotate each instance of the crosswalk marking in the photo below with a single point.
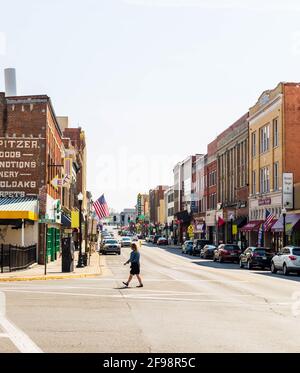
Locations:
(21, 340)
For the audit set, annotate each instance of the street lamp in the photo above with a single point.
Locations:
(80, 258)
(284, 226)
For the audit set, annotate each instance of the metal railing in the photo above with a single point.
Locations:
(15, 258)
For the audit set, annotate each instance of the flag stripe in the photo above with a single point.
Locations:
(101, 208)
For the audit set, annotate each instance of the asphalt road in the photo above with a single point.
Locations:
(187, 305)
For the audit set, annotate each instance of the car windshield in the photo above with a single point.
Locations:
(126, 239)
(231, 247)
(296, 251)
(111, 242)
(260, 251)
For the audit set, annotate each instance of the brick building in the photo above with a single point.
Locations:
(156, 196)
(274, 123)
(233, 180)
(33, 153)
(211, 170)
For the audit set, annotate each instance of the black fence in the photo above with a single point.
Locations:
(15, 258)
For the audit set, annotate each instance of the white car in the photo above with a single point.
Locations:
(287, 260)
(126, 241)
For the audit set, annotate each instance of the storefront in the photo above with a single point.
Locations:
(251, 230)
(292, 228)
(211, 231)
(19, 221)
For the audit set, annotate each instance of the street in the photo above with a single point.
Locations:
(187, 305)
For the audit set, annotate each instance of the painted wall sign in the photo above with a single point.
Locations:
(264, 201)
(19, 166)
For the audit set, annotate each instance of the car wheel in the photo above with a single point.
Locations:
(249, 265)
(241, 264)
(285, 270)
(273, 268)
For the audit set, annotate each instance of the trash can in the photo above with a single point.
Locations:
(67, 255)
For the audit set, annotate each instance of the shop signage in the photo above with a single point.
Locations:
(288, 191)
(191, 229)
(264, 201)
(234, 229)
(19, 166)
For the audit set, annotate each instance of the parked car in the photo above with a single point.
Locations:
(150, 238)
(198, 245)
(208, 251)
(287, 260)
(111, 246)
(227, 253)
(256, 257)
(126, 242)
(162, 241)
(156, 238)
(187, 248)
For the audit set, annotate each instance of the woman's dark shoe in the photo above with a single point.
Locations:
(140, 286)
(126, 284)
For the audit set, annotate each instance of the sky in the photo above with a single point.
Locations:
(150, 81)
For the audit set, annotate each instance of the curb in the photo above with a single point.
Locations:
(48, 277)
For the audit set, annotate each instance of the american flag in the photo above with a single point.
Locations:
(101, 208)
(269, 221)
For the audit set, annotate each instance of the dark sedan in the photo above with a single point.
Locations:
(198, 246)
(162, 241)
(227, 253)
(208, 252)
(256, 257)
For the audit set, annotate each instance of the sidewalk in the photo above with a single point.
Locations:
(96, 268)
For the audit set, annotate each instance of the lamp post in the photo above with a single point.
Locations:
(80, 258)
(284, 226)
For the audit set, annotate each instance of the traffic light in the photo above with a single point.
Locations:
(115, 219)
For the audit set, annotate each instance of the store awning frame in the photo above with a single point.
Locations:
(19, 209)
(292, 222)
(252, 226)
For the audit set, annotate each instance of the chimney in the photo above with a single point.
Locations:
(10, 82)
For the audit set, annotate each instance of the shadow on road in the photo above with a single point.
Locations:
(212, 264)
(291, 276)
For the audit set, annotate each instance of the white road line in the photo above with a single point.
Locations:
(138, 292)
(21, 340)
(136, 297)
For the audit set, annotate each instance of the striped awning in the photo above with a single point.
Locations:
(19, 208)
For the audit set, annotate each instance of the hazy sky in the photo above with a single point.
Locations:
(151, 81)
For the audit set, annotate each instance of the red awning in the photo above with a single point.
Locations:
(252, 226)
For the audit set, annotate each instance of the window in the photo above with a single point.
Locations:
(253, 144)
(212, 178)
(276, 176)
(254, 182)
(275, 133)
(264, 138)
(264, 180)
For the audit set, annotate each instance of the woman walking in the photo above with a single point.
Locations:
(134, 260)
